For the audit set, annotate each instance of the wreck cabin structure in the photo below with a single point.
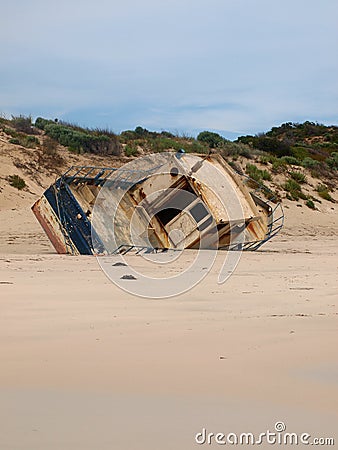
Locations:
(184, 201)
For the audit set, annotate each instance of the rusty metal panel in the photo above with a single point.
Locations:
(51, 225)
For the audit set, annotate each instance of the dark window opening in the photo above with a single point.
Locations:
(166, 215)
(198, 212)
(174, 201)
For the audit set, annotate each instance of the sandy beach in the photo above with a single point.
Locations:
(168, 225)
(85, 365)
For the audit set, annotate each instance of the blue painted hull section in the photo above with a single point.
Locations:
(72, 217)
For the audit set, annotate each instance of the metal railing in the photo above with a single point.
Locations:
(275, 224)
(123, 249)
(98, 176)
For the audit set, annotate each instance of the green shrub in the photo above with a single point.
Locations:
(264, 160)
(142, 133)
(309, 203)
(163, 144)
(332, 161)
(300, 152)
(310, 163)
(212, 139)
(266, 176)
(278, 165)
(257, 174)
(24, 140)
(295, 139)
(29, 141)
(291, 160)
(292, 185)
(298, 176)
(303, 196)
(196, 147)
(294, 190)
(22, 123)
(41, 123)
(79, 141)
(323, 192)
(253, 172)
(271, 145)
(14, 141)
(128, 135)
(11, 132)
(246, 152)
(32, 139)
(130, 150)
(326, 196)
(229, 148)
(17, 182)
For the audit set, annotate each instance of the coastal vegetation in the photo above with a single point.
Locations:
(282, 160)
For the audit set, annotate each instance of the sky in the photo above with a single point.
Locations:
(235, 67)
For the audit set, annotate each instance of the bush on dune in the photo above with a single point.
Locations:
(82, 142)
(16, 181)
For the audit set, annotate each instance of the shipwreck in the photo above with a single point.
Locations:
(159, 202)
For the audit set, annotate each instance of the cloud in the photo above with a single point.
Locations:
(238, 66)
